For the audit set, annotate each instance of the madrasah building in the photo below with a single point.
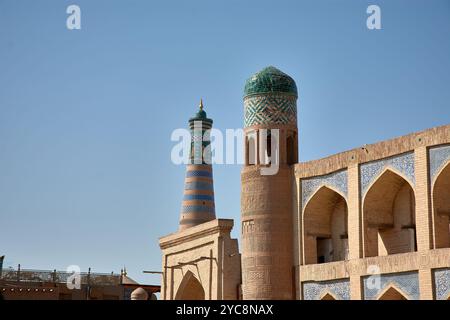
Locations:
(371, 223)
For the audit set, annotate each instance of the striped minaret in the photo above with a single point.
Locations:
(198, 198)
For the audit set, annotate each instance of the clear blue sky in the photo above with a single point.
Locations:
(86, 116)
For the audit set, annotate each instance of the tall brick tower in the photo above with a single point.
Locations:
(198, 199)
(270, 102)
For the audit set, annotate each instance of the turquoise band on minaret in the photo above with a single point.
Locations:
(198, 199)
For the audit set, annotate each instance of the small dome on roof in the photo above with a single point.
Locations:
(139, 294)
(200, 115)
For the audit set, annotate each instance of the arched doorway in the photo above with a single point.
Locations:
(441, 208)
(325, 227)
(392, 293)
(190, 288)
(389, 216)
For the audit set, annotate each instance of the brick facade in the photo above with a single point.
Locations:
(401, 216)
(369, 223)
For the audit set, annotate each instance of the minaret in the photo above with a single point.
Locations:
(198, 199)
(270, 102)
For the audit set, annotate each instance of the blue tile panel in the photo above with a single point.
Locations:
(442, 283)
(338, 180)
(315, 290)
(408, 282)
(371, 170)
(439, 157)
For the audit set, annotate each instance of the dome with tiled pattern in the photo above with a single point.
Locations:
(270, 80)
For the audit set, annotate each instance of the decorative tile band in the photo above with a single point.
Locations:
(442, 283)
(337, 180)
(198, 208)
(188, 197)
(270, 109)
(199, 185)
(199, 174)
(439, 156)
(402, 163)
(198, 199)
(315, 290)
(200, 140)
(199, 167)
(408, 282)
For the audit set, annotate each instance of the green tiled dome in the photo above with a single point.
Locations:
(269, 80)
(200, 115)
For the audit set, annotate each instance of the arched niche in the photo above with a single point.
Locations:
(190, 288)
(389, 216)
(326, 227)
(441, 208)
(392, 293)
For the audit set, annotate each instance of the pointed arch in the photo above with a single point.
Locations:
(268, 144)
(190, 288)
(325, 221)
(386, 169)
(251, 148)
(327, 186)
(327, 295)
(392, 292)
(441, 208)
(388, 210)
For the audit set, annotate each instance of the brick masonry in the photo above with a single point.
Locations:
(369, 223)
(416, 273)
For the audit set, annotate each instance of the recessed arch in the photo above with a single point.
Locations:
(327, 186)
(325, 221)
(392, 292)
(269, 149)
(391, 169)
(388, 210)
(441, 208)
(251, 149)
(327, 295)
(190, 288)
(269, 146)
